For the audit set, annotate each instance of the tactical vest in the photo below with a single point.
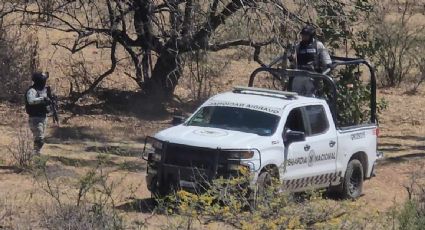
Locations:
(307, 54)
(38, 110)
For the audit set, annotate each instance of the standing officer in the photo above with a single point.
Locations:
(36, 106)
(310, 55)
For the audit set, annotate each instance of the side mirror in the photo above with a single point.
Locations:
(293, 136)
(177, 120)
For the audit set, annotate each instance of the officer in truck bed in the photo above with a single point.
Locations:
(311, 55)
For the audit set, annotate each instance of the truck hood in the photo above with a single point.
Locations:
(210, 137)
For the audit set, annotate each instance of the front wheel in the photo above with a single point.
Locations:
(352, 185)
(264, 181)
(262, 189)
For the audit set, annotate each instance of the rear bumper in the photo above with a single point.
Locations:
(379, 155)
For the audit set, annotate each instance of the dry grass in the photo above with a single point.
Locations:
(74, 147)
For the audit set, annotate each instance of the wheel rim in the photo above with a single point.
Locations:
(355, 181)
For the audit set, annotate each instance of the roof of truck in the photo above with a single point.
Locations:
(244, 97)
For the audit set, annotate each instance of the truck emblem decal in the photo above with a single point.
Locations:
(356, 136)
(211, 133)
(311, 158)
(297, 161)
(325, 157)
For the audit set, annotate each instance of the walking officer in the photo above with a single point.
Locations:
(36, 106)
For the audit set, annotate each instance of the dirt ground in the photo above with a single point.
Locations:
(74, 146)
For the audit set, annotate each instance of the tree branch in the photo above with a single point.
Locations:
(187, 20)
(214, 21)
(240, 42)
(93, 86)
(143, 25)
(166, 5)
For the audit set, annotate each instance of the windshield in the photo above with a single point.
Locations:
(238, 119)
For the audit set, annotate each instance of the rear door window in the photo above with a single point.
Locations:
(318, 120)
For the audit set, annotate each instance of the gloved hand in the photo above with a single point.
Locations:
(47, 101)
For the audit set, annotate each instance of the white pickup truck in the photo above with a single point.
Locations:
(275, 134)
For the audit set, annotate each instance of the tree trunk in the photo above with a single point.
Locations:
(165, 75)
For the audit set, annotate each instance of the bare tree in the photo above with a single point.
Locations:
(154, 34)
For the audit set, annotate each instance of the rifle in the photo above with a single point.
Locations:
(289, 50)
(54, 104)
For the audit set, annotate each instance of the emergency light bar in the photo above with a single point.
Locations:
(240, 89)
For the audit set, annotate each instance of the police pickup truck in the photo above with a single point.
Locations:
(274, 134)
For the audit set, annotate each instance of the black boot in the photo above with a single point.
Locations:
(38, 144)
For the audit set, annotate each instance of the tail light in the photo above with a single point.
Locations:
(376, 132)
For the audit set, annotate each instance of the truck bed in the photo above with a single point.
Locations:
(359, 139)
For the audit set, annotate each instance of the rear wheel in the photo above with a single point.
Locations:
(352, 185)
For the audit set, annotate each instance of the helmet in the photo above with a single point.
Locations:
(38, 76)
(308, 30)
(39, 79)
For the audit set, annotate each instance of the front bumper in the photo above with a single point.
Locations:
(168, 177)
(176, 166)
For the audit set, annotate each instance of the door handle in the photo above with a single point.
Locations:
(307, 147)
(332, 143)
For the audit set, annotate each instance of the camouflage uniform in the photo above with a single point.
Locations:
(36, 103)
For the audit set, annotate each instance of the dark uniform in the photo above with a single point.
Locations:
(36, 106)
(311, 55)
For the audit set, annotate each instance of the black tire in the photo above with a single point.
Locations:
(352, 184)
(265, 180)
(261, 193)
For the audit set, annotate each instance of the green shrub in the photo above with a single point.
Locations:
(353, 101)
(412, 216)
(234, 203)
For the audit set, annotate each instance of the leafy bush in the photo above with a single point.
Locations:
(79, 218)
(88, 211)
(353, 101)
(412, 213)
(412, 216)
(21, 149)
